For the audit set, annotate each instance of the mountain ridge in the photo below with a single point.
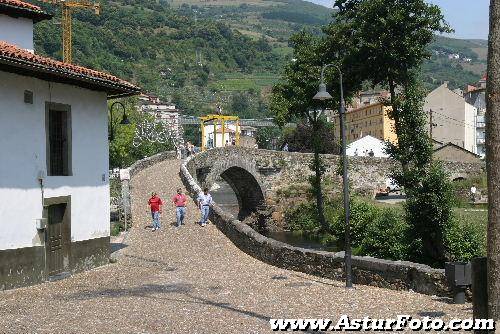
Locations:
(201, 54)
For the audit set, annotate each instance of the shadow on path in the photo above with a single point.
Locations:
(154, 291)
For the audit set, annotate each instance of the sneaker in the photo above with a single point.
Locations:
(154, 229)
(203, 224)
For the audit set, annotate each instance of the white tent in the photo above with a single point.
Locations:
(364, 146)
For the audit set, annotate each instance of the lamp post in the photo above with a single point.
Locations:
(124, 121)
(323, 95)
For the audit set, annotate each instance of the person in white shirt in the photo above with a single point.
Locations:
(204, 203)
(473, 191)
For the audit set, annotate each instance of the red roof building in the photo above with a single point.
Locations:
(16, 60)
(17, 56)
(16, 8)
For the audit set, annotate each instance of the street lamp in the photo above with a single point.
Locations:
(323, 95)
(124, 121)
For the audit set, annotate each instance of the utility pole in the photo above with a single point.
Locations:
(431, 124)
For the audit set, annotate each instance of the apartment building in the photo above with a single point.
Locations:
(369, 120)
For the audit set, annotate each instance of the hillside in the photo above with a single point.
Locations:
(200, 53)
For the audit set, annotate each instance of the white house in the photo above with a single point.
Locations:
(220, 141)
(54, 183)
(367, 146)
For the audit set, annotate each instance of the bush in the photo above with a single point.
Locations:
(464, 240)
(387, 237)
(361, 215)
(303, 218)
(385, 232)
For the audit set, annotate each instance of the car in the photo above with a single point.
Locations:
(392, 186)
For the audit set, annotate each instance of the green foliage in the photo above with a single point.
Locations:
(465, 240)
(428, 211)
(461, 190)
(116, 228)
(299, 139)
(154, 44)
(293, 16)
(361, 215)
(384, 232)
(157, 46)
(267, 135)
(387, 237)
(387, 42)
(122, 152)
(303, 218)
(386, 39)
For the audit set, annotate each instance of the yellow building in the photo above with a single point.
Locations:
(371, 120)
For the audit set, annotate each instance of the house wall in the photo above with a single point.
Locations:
(450, 153)
(23, 157)
(17, 31)
(453, 116)
(470, 127)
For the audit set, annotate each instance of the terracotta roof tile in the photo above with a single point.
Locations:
(13, 53)
(20, 4)
(20, 8)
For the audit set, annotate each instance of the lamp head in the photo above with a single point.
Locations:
(125, 120)
(322, 94)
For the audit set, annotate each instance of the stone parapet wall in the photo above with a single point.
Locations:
(149, 161)
(397, 275)
(277, 170)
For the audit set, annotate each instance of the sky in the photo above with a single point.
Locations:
(469, 18)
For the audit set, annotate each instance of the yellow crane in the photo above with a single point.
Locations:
(67, 7)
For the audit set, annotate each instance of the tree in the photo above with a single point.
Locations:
(386, 42)
(299, 139)
(386, 39)
(493, 161)
(293, 98)
(267, 136)
(122, 152)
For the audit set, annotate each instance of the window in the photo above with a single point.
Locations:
(58, 134)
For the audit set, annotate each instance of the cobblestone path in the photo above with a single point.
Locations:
(193, 280)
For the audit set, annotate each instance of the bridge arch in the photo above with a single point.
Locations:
(239, 172)
(247, 189)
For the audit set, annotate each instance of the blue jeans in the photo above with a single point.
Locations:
(180, 212)
(205, 210)
(156, 219)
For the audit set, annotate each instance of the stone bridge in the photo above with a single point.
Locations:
(256, 175)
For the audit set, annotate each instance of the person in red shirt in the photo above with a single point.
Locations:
(180, 201)
(155, 204)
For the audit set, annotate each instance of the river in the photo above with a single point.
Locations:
(224, 196)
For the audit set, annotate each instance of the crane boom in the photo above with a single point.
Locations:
(67, 6)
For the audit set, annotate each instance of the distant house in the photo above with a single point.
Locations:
(248, 136)
(54, 182)
(453, 118)
(452, 152)
(367, 146)
(163, 112)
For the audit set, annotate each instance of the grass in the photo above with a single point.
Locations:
(235, 82)
(264, 3)
(116, 228)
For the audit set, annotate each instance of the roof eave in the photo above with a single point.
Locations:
(14, 11)
(113, 89)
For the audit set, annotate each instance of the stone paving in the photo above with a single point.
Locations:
(193, 280)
